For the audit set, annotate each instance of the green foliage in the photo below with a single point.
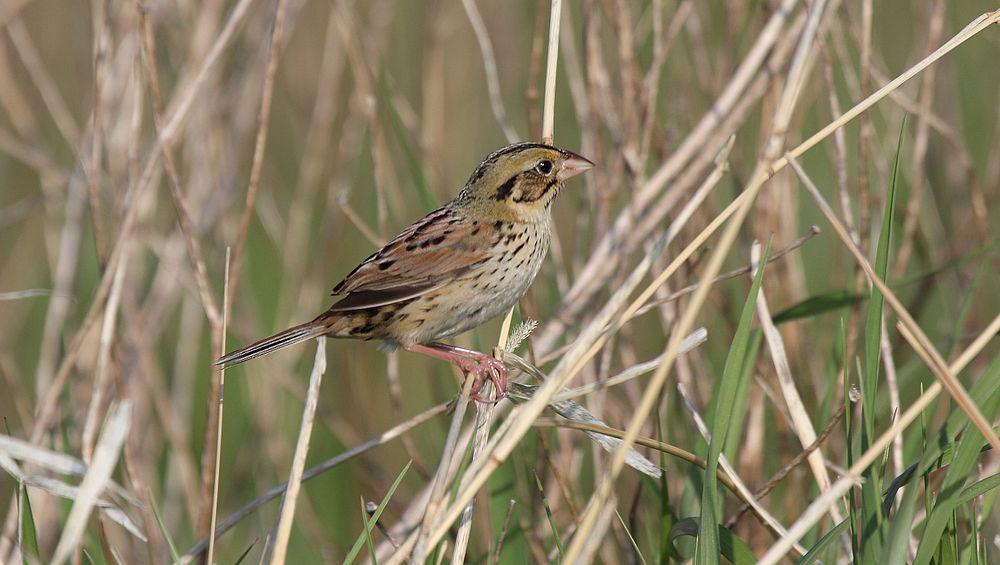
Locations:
(708, 542)
(872, 533)
(370, 523)
(730, 546)
(816, 305)
(29, 535)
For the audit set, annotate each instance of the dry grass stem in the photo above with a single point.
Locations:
(218, 430)
(101, 466)
(549, 105)
(789, 96)
(490, 66)
(277, 546)
(305, 134)
(819, 506)
(938, 365)
(800, 419)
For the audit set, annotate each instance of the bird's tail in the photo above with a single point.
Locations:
(281, 340)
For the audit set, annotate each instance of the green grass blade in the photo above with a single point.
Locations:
(174, 555)
(635, 546)
(548, 515)
(667, 518)
(29, 539)
(818, 304)
(707, 549)
(817, 549)
(368, 533)
(979, 488)
(243, 555)
(731, 547)
(369, 524)
(987, 386)
(872, 525)
(949, 493)
(732, 446)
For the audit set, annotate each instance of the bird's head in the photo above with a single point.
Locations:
(520, 181)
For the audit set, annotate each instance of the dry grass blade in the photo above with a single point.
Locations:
(937, 363)
(103, 357)
(278, 545)
(56, 462)
(72, 492)
(22, 294)
(575, 412)
(819, 506)
(789, 96)
(102, 464)
(796, 408)
(440, 482)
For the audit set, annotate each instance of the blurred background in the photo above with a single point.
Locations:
(371, 113)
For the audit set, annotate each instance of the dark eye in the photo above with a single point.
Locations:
(544, 167)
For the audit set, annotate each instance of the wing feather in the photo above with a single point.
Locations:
(425, 256)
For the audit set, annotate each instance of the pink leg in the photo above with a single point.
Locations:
(473, 362)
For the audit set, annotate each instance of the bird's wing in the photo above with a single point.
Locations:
(425, 256)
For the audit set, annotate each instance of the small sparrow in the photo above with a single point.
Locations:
(453, 269)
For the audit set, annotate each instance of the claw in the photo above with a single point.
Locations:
(496, 372)
(470, 362)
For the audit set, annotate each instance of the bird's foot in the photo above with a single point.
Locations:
(494, 370)
(480, 365)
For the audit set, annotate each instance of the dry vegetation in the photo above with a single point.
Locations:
(176, 176)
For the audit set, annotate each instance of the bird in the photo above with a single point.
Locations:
(452, 270)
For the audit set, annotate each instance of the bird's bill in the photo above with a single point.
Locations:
(574, 165)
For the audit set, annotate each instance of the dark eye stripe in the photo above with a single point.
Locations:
(505, 189)
(531, 198)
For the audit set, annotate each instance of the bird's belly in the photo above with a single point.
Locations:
(467, 302)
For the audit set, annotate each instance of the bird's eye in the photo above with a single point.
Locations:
(544, 167)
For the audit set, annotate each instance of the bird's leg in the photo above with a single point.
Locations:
(479, 364)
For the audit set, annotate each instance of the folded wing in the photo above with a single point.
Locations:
(427, 255)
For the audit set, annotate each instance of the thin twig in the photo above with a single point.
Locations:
(788, 467)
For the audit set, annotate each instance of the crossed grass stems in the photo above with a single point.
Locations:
(106, 301)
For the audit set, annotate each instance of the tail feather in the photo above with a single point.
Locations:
(281, 340)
